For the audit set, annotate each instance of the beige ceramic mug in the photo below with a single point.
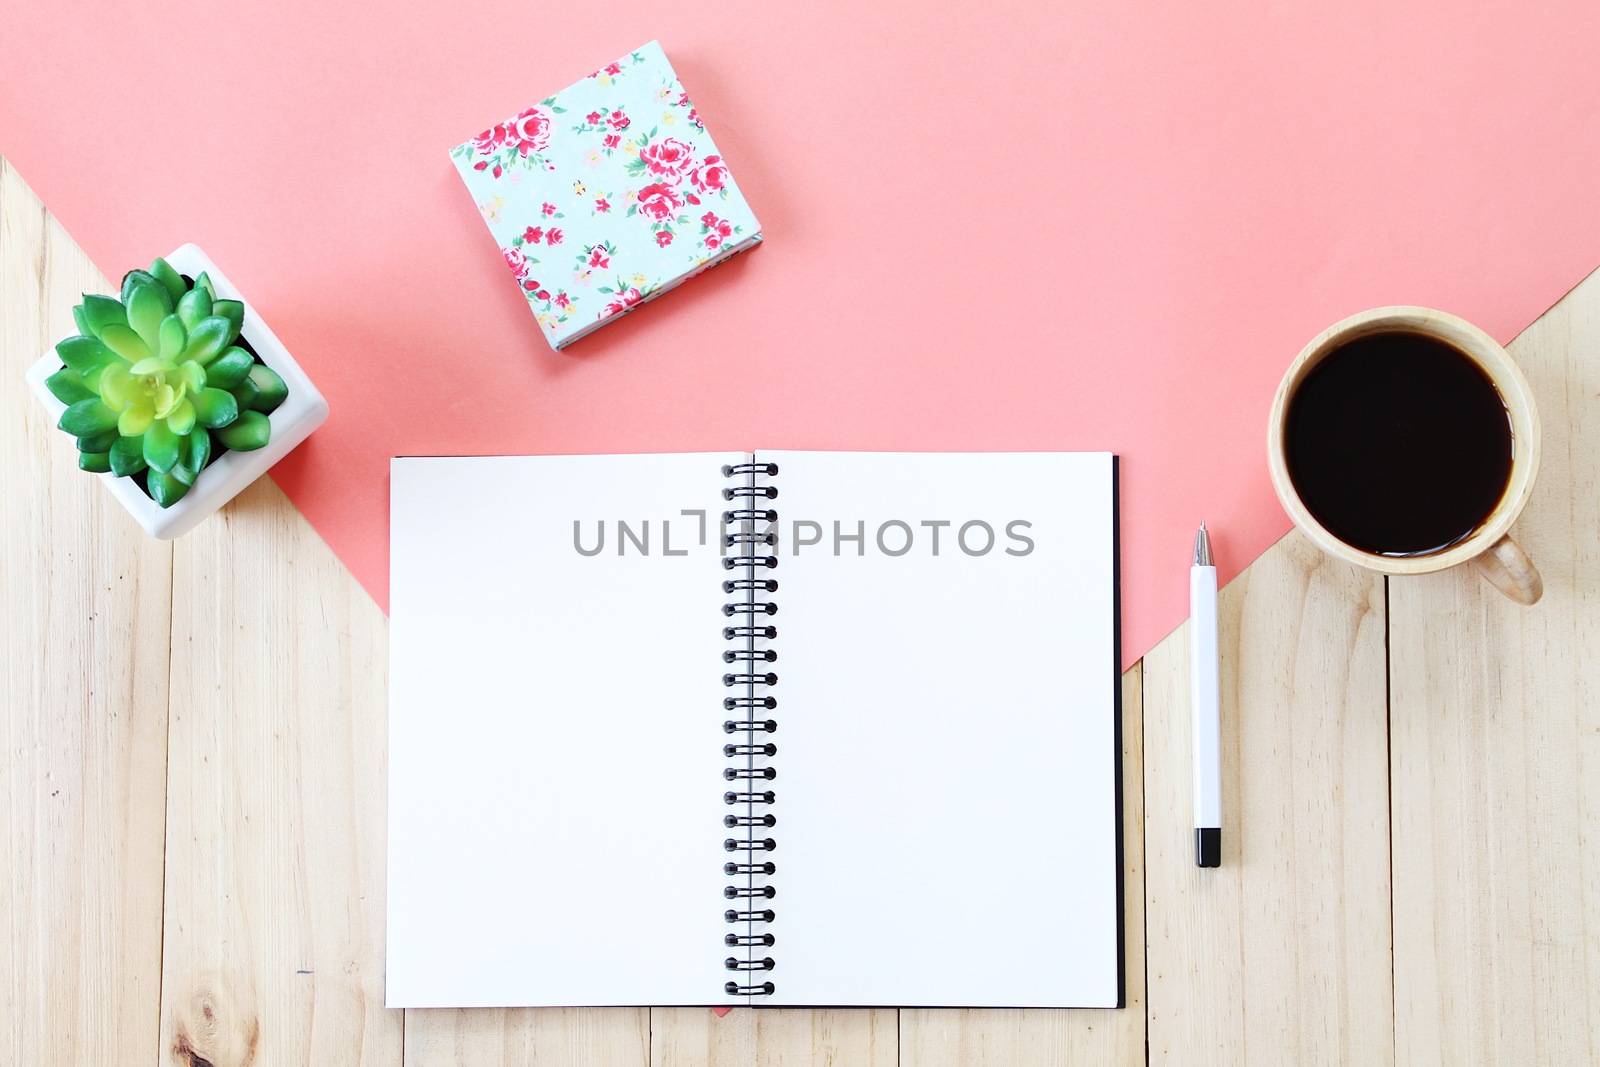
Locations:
(1489, 547)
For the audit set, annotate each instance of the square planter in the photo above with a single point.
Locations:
(292, 422)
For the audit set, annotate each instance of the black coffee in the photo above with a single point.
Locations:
(1398, 444)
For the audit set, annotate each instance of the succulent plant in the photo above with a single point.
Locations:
(154, 382)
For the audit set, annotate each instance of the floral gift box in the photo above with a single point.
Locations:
(606, 195)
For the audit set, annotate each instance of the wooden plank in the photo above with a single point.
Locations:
(523, 1037)
(1281, 955)
(1032, 1036)
(772, 1037)
(1496, 758)
(275, 827)
(83, 701)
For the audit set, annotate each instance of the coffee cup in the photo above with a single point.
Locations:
(1406, 440)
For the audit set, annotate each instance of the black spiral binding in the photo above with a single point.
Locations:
(749, 529)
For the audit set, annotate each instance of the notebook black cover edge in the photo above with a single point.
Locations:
(1116, 723)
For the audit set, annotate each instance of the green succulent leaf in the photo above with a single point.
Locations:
(173, 338)
(124, 342)
(116, 386)
(80, 320)
(127, 456)
(215, 408)
(98, 442)
(150, 365)
(102, 310)
(251, 431)
(97, 462)
(194, 306)
(244, 393)
(181, 419)
(270, 388)
(204, 282)
(135, 421)
(132, 280)
(67, 386)
(169, 278)
(208, 338)
(229, 369)
(192, 375)
(197, 451)
(148, 305)
(182, 473)
(161, 447)
(233, 311)
(87, 417)
(165, 490)
(84, 354)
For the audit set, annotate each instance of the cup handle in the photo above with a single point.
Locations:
(1508, 569)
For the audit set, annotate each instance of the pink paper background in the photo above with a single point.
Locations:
(989, 226)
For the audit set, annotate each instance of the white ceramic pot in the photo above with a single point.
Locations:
(301, 412)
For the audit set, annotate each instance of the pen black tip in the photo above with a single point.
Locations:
(1208, 846)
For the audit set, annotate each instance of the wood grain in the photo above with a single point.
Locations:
(983, 1037)
(83, 702)
(1496, 740)
(773, 1037)
(276, 787)
(524, 1037)
(1282, 954)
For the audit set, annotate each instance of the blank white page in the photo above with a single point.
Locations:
(555, 751)
(947, 766)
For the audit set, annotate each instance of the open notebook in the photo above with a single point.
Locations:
(866, 754)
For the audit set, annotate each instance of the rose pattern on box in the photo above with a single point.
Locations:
(605, 194)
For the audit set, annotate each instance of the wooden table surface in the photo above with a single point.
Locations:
(194, 785)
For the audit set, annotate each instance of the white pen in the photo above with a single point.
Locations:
(1204, 704)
